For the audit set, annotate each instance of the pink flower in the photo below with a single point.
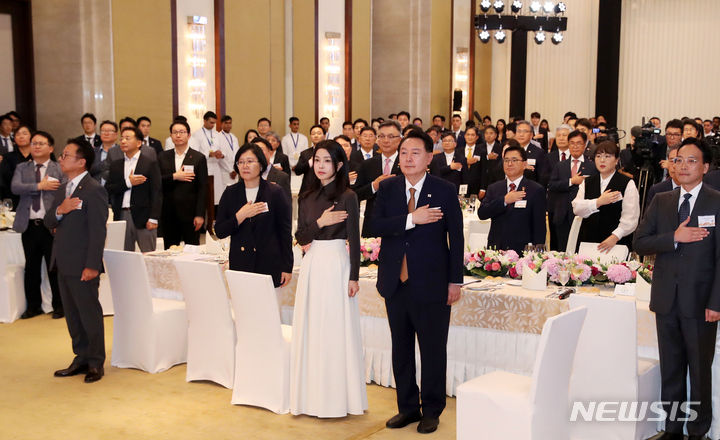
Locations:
(496, 266)
(531, 266)
(513, 272)
(488, 258)
(512, 256)
(617, 273)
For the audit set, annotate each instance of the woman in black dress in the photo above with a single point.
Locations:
(256, 214)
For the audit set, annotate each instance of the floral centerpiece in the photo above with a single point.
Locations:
(369, 251)
(489, 262)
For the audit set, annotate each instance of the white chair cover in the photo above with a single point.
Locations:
(477, 241)
(211, 334)
(262, 351)
(618, 253)
(504, 405)
(12, 290)
(115, 238)
(573, 237)
(148, 333)
(607, 367)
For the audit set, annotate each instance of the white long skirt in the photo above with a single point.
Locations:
(327, 371)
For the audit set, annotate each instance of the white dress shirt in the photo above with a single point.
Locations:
(418, 187)
(70, 189)
(382, 166)
(630, 206)
(507, 186)
(129, 168)
(251, 194)
(43, 171)
(469, 150)
(489, 150)
(293, 144)
(693, 192)
(580, 160)
(449, 158)
(7, 142)
(366, 154)
(179, 158)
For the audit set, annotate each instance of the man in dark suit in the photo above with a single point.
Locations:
(367, 146)
(712, 178)
(566, 177)
(88, 122)
(35, 182)
(450, 165)
(490, 153)
(680, 229)
(472, 153)
(456, 124)
(418, 215)
(144, 124)
(670, 183)
(279, 159)
(135, 190)
(108, 138)
(378, 168)
(540, 134)
(6, 141)
(271, 173)
(184, 182)
(535, 164)
(78, 214)
(559, 153)
(516, 205)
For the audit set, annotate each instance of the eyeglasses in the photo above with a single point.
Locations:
(127, 139)
(108, 131)
(65, 156)
(522, 130)
(448, 141)
(242, 163)
(512, 161)
(668, 134)
(604, 157)
(577, 144)
(38, 144)
(388, 136)
(178, 132)
(691, 161)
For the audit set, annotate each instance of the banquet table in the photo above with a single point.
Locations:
(13, 253)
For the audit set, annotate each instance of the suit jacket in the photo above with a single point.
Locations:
(460, 140)
(8, 165)
(100, 167)
(80, 234)
(664, 186)
(156, 145)
(260, 244)
(511, 227)
(303, 168)
(686, 275)
(544, 140)
(551, 159)
(440, 168)
(490, 170)
(184, 200)
(428, 277)
(24, 185)
(712, 178)
(560, 193)
(538, 154)
(97, 142)
(283, 160)
(372, 169)
(358, 157)
(283, 180)
(145, 199)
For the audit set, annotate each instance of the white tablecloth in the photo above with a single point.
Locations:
(11, 247)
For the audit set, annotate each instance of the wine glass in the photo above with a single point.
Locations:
(6, 206)
(563, 276)
(473, 202)
(633, 257)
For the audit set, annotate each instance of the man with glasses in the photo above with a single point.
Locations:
(108, 138)
(515, 205)
(184, 183)
(35, 182)
(88, 122)
(535, 164)
(378, 168)
(673, 139)
(135, 191)
(679, 228)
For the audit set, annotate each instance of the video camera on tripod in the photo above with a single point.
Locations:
(646, 157)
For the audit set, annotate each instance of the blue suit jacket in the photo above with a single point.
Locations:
(511, 227)
(434, 251)
(24, 185)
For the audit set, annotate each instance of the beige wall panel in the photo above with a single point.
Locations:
(142, 52)
(483, 77)
(304, 63)
(441, 65)
(361, 64)
(390, 57)
(277, 66)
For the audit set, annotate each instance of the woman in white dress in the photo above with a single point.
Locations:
(327, 377)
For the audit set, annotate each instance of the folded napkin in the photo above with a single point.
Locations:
(532, 280)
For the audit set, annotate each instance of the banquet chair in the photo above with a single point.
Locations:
(262, 350)
(477, 241)
(618, 253)
(211, 335)
(506, 405)
(115, 240)
(149, 333)
(573, 237)
(607, 367)
(12, 289)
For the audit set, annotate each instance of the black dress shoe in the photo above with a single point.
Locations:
(72, 370)
(29, 313)
(401, 420)
(670, 436)
(94, 374)
(697, 437)
(428, 425)
(57, 314)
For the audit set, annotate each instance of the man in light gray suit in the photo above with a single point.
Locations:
(79, 215)
(35, 182)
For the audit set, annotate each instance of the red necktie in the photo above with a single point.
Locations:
(512, 187)
(575, 167)
(563, 156)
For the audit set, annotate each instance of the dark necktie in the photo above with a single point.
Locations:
(684, 211)
(512, 187)
(411, 208)
(36, 197)
(563, 156)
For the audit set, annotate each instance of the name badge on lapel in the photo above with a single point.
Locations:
(521, 204)
(531, 162)
(706, 221)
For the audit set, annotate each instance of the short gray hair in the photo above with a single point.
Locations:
(564, 127)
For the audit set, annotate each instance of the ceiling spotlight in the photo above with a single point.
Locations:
(548, 7)
(500, 35)
(540, 36)
(499, 6)
(560, 8)
(484, 35)
(535, 6)
(516, 6)
(557, 37)
(485, 5)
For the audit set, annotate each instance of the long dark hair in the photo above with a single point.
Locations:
(342, 181)
(252, 130)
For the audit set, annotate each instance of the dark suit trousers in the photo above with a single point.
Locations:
(84, 318)
(559, 233)
(686, 343)
(430, 322)
(176, 230)
(37, 243)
